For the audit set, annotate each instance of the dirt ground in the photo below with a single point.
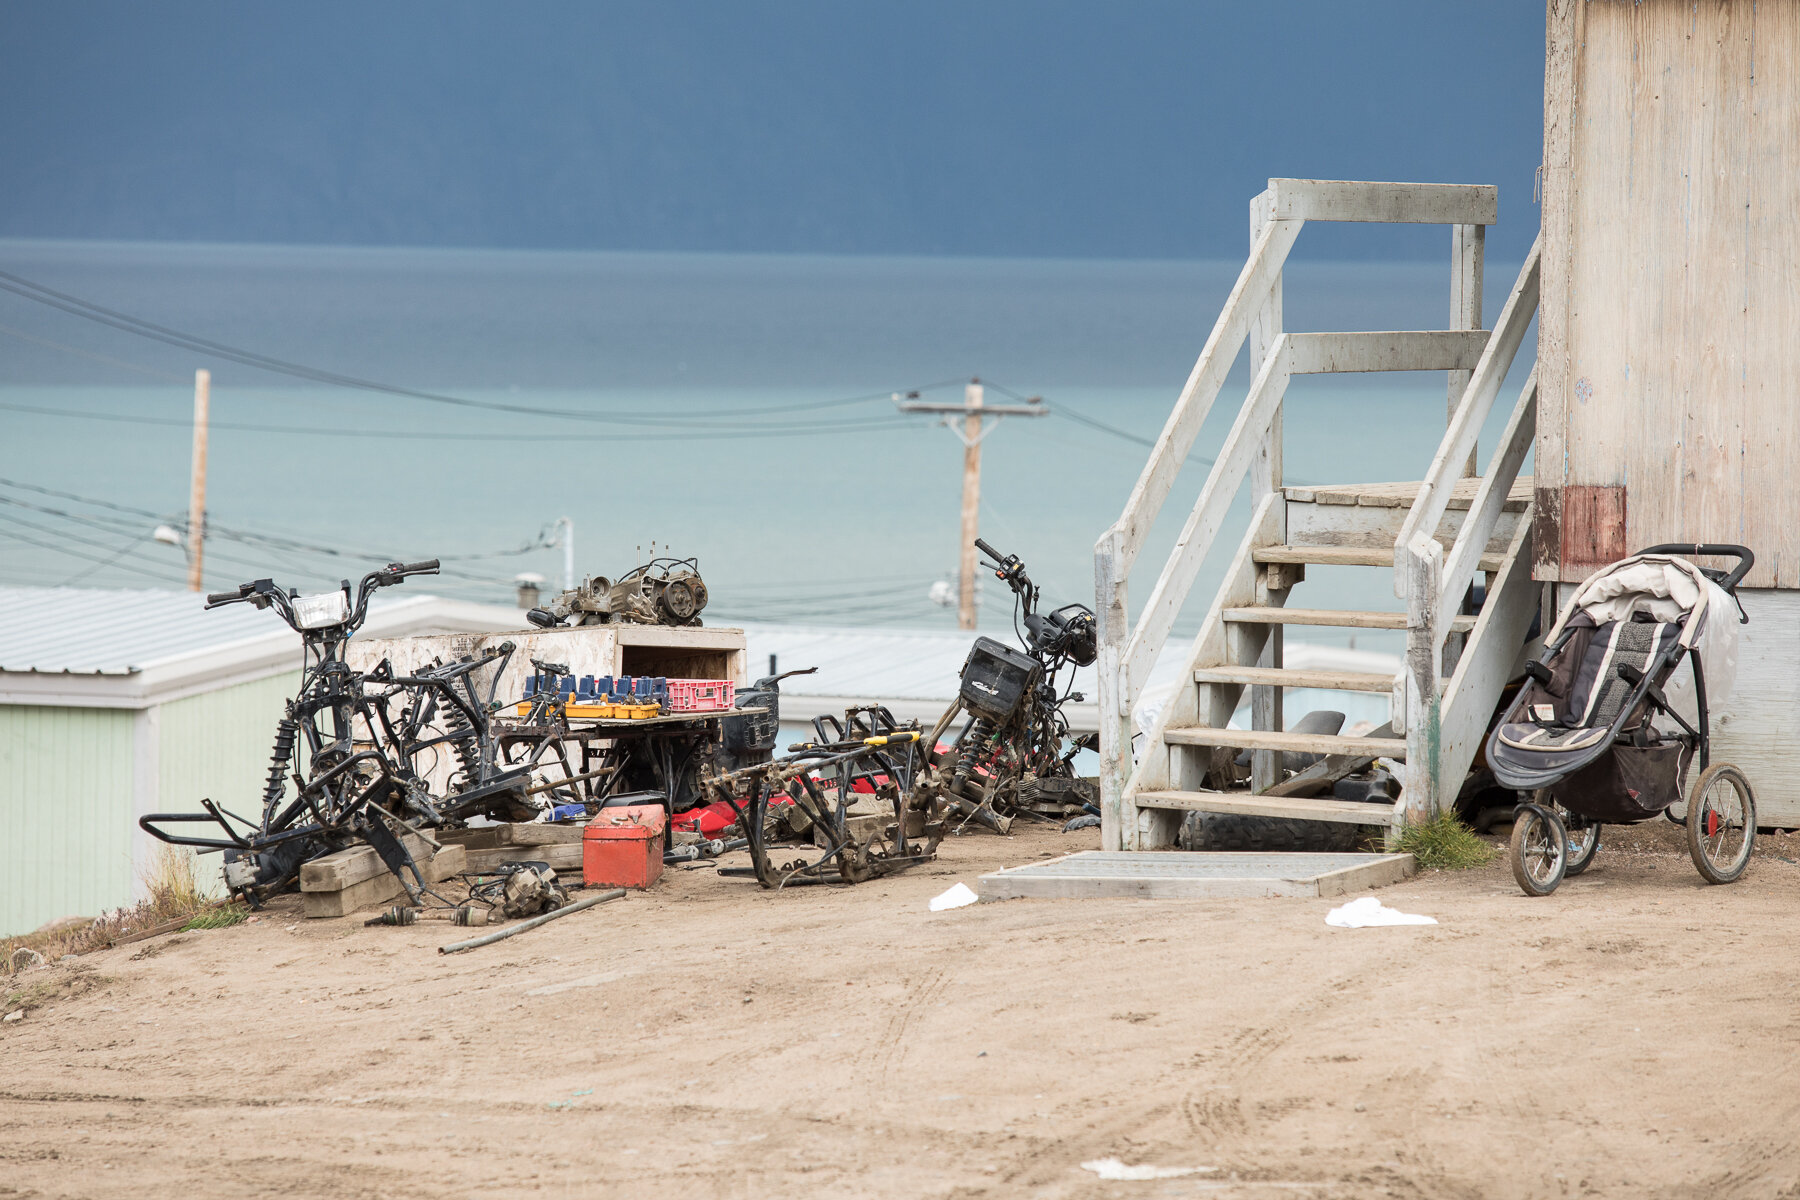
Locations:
(1637, 1034)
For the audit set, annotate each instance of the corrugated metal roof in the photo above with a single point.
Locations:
(103, 631)
(892, 664)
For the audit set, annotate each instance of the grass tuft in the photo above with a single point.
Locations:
(218, 918)
(173, 895)
(1445, 844)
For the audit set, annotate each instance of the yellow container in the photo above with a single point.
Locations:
(592, 710)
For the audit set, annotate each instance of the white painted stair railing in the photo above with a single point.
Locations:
(1443, 724)
(1252, 449)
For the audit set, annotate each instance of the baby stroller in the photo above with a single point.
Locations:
(1604, 729)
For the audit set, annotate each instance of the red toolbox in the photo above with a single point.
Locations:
(623, 847)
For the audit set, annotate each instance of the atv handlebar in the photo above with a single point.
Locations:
(263, 592)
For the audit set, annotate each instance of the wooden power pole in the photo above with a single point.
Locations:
(196, 539)
(972, 410)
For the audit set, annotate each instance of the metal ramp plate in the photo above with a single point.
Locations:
(1190, 875)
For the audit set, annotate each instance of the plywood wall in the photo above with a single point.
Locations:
(1670, 331)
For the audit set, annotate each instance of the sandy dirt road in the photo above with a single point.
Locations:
(1637, 1034)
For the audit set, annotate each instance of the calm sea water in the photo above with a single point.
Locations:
(836, 513)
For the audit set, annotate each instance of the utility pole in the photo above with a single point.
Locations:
(196, 539)
(566, 539)
(971, 505)
(972, 410)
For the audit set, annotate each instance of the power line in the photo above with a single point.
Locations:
(91, 354)
(867, 425)
(87, 310)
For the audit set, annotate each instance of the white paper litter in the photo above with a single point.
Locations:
(957, 897)
(1367, 911)
(1112, 1168)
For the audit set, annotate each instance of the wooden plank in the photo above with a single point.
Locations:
(1333, 617)
(1458, 497)
(1303, 743)
(1240, 448)
(1758, 725)
(346, 868)
(1496, 486)
(1266, 340)
(1177, 437)
(1467, 262)
(1404, 203)
(1295, 677)
(1400, 350)
(1328, 770)
(1563, 35)
(1478, 400)
(566, 857)
(1362, 525)
(476, 837)
(530, 833)
(1290, 808)
(381, 889)
(1489, 660)
(1391, 868)
(1349, 556)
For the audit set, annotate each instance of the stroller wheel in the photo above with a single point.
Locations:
(1584, 843)
(1540, 850)
(1721, 823)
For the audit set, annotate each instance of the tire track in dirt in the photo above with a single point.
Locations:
(900, 1022)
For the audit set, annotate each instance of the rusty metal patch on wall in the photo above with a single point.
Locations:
(1593, 526)
(1577, 529)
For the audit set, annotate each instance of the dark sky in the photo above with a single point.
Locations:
(1017, 127)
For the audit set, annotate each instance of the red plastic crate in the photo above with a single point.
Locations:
(701, 695)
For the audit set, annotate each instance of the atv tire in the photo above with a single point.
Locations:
(1226, 831)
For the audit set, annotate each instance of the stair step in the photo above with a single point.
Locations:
(1288, 808)
(1331, 616)
(1296, 677)
(1302, 743)
(1347, 556)
(1402, 495)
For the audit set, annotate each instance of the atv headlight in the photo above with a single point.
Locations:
(321, 611)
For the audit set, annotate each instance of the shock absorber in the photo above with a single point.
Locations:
(462, 742)
(279, 758)
(979, 733)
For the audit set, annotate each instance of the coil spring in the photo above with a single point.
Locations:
(462, 742)
(279, 758)
(979, 733)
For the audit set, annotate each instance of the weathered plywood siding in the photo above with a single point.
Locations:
(1669, 361)
(1758, 726)
(65, 813)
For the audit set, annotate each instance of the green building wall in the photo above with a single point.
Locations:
(73, 781)
(65, 813)
(216, 746)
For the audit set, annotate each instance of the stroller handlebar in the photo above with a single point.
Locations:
(1728, 580)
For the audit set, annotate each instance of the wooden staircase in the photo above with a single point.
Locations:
(1431, 536)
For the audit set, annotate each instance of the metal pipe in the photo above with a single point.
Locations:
(556, 783)
(521, 927)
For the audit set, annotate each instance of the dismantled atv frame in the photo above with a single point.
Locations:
(1013, 755)
(866, 757)
(350, 746)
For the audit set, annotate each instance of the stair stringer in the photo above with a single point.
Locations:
(1439, 754)
(1163, 767)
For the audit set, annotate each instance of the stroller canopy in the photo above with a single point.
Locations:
(1667, 589)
